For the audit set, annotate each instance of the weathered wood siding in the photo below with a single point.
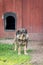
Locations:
(29, 15)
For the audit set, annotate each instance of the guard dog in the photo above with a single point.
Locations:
(21, 40)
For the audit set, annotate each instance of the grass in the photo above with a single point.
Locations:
(10, 57)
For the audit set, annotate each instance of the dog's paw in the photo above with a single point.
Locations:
(19, 53)
(26, 53)
(15, 49)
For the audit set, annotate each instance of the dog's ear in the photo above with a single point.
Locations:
(18, 32)
(26, 31)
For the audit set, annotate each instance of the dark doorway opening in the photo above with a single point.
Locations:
(10, 23)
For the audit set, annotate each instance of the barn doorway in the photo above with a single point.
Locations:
(10, 21)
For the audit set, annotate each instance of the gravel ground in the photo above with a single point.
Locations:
(7, 41)
(37, 53)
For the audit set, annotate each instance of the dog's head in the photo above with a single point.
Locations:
(22, 34)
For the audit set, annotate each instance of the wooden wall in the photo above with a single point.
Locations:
(29, 15)
(33, 18)
(33, 15)
(10, 6)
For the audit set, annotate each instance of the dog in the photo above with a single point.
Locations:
(21, 39)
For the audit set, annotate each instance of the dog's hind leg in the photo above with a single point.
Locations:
(14, 44)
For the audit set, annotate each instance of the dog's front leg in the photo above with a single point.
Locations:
(25, 49)
(15, 46)
(19, 50)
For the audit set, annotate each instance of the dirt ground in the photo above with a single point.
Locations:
(37, 51)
